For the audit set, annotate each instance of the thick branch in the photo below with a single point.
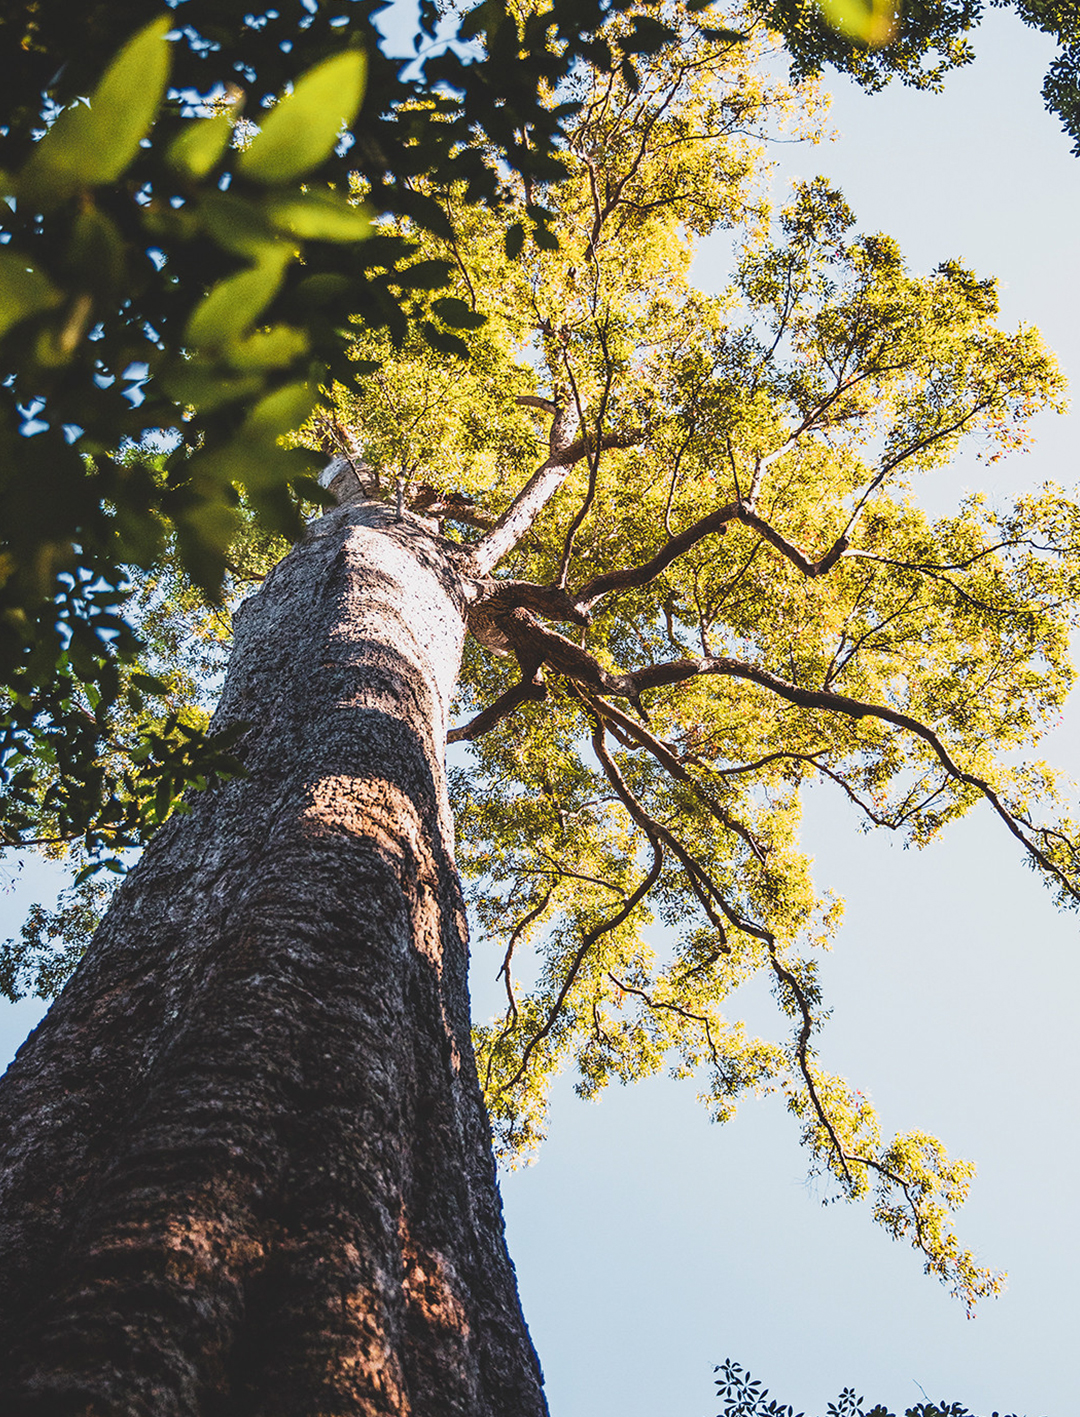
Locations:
(534, 401)
(518, 519)
(451, 506)
(676, 671)
(792, 552)
(498, 597)
(592, 591)
(715, 523)
(535, 643)
(524, 690)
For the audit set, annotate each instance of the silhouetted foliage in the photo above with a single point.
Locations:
(744, 1396)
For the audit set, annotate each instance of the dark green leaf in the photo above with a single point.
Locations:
(515, 240)
(456, 313)
(443, 342)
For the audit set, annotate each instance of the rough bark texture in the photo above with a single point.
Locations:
(246, 1166)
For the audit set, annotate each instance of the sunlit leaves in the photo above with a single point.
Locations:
(93, 143)
(300, 131)
(803, 402)
(870, 22)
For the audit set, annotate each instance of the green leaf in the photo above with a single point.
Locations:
(23, 292)
(869, 22)
(205, 388)
(200, 144)
(90, 145)
(240, 225)
(323, 289)
(424, 275)
(235, 303)
(274, 348)
(253, 459)
(302, 130)
(443, 342)
(280, 412)
(320, 216)
(96, 252)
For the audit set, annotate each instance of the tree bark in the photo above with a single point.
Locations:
(246, 1164)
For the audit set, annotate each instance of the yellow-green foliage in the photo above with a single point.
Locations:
(805, 396)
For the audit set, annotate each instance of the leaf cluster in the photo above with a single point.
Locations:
(745, 1396)
(919, 42)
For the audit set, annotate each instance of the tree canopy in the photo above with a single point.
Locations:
(920, 41)
(177, 265)
(714, 583)
(754, 601)
(173, 302)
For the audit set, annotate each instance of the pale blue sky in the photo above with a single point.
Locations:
(651, 1245)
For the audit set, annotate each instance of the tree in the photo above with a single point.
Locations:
(119, 232)
(257, 1175)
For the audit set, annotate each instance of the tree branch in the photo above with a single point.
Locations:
(516, 522)
(533, 401)
(593, 590)
(504, 974)
(523, 691)
(667, 759)
(676, 671)
(716, 522)
(591, 936)
(657, 1004)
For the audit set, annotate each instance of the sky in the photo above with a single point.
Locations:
(650, 1244)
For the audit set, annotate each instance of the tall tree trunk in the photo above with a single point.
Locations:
(246, 1165)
